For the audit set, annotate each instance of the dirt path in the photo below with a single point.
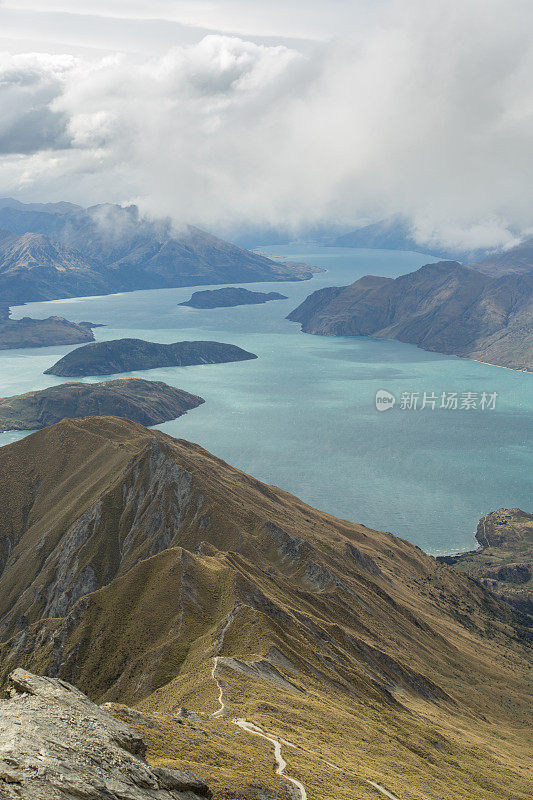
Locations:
(249, 727)
(281, 764)
(280, 761)
(219, 711)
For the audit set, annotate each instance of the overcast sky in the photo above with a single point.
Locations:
(295, 113)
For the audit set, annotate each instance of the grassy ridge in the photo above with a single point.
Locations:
(135, 559)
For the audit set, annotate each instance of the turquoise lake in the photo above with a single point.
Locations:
(303, 415)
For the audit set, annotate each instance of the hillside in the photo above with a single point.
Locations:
(48, 252)
(230, 296)
(149, 573)
(33, 267)
(504, 560)
(147, 402)
(442, 307)
(127, 355)
(517, 259)
(28, 332)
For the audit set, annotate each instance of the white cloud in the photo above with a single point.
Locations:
(314, 19)
(430, 114)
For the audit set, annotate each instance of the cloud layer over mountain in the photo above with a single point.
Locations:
(424, 109)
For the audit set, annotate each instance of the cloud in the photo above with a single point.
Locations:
(28, 86)
(428, 112)
(313, 19)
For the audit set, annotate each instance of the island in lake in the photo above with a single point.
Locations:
(230, 296)
(146, 402)
(28, 332)
(504, 561)
(127, 355)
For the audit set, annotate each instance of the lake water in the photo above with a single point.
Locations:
(303, 416)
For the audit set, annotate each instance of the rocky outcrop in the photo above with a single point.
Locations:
(443, 307)
(55, 744)
(28, 332)
(230, 296)
(127, 355)
(125, 523)
(147, 402)
(504, 561)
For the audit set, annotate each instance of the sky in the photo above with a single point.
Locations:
(235, 113)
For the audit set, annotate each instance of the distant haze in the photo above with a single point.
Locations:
(232, 113)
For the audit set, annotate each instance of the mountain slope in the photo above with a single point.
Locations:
(443, 307)
(47, 254)
(517, 259)
(33, 267)
(130, 561)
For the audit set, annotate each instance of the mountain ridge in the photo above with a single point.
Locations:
(146, 557)
(396, 233)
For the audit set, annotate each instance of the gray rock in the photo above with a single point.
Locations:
(55, 744)
(186, 714)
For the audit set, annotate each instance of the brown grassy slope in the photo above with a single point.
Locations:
(132, 559)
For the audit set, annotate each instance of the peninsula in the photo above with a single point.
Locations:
(146, 402)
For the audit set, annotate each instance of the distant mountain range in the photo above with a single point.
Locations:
(49, 251)
(444, 307)
(396, 233)
(149, 573)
